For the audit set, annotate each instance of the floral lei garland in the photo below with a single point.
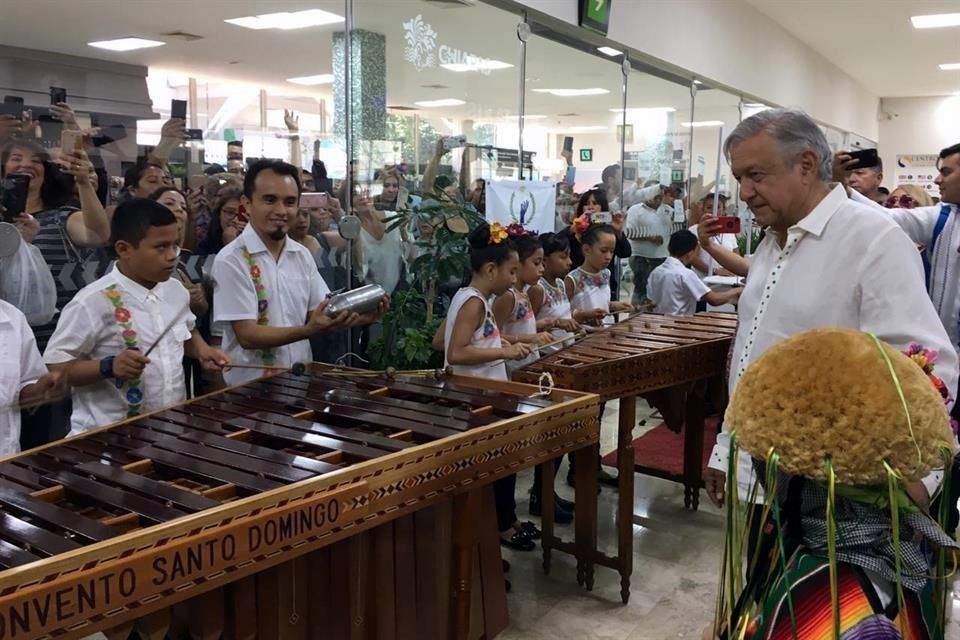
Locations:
(124, 321)
(926, 359)
(267, 356)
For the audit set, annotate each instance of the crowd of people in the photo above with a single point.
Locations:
(175, 289)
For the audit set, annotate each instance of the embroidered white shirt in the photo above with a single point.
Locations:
(293, 288)
(675, 288)
(88, 330)
(22, 366)
(841, 266)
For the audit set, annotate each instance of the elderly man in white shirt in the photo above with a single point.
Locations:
(269, 298)
(23, 376)
(937, 229)
(826, 261)
(649, 226)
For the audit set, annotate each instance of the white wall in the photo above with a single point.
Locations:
(911, 126)
(731, 43)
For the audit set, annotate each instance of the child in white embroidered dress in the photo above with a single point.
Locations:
(104, 333)
(549, 296)
(588, 286)
(513, 309)
(472, 346)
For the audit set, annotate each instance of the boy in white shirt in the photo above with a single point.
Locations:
(23, 377)
(675, 288)
(104, 333)
(269, 298)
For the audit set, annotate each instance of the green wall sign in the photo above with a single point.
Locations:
(595, 15)
(586, 155)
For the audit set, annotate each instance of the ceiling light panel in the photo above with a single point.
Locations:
(443, 102)
(572, 93)
(287, 20)
(322, 78)
(126, 44)
(936, 21)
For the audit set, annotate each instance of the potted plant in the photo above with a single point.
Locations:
(441, 262)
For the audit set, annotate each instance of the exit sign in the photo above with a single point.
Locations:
(595, 15)
(586, 155)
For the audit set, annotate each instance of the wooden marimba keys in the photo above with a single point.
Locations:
(290, 507)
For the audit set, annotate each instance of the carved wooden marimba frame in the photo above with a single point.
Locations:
(661, 358)
(334, 505)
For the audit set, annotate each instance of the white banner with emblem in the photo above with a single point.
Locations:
(532, 204)
(920, 170)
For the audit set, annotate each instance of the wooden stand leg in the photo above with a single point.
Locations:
(585, 515)
(693, 447)
(466, 512)
(547, 470)
(628, 419)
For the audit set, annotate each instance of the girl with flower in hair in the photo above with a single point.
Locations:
(588, 286)
(473, 346)
(513, 310)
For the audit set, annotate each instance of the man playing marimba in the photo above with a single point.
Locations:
(269, 298)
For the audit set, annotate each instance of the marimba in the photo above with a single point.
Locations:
(334, 505)
(652, 355)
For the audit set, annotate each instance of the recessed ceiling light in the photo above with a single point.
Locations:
(633, 109)
(703, 123)
(322, 78)
(443, 102)
(570, 93)
(481, 64)
(936, 21)
(697, 82)
(952, 66)
(125, 44)
(287, 20)
(609, 51)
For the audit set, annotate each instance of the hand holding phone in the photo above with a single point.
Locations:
(15, 188)
(865, 159)
(178, 109)
(314, 200)
(58, 95)
(728, 224)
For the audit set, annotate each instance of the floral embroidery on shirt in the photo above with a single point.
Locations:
(490, 326)
(553, 296)
(267, 356)
(583, 280)
(124, 322)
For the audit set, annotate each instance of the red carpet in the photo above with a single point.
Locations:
(662, 449)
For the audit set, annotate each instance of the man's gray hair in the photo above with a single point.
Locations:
(794, 131)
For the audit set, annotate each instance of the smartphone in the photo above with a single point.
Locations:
(195, 134)
(178, 109)
(452, 142)
(568, 143)
(11, 109)
(70, 140)
(13, 100)
(865, 159)
(314, 200)
(197, 182)
(604, 217)
(58, 95)
(14, 199)
(729, 224)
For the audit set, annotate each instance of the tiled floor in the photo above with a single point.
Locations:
(676, 564)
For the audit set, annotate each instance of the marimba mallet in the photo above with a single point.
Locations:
(297, 369)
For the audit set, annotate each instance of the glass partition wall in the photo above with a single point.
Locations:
(412, 102)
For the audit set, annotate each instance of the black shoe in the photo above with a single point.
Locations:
(560, 514)
(519, 541)
(507, 586)
(506, 565)
(530, 529)
(563, 503)
(605, 478)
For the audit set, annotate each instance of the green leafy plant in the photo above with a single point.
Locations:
(756, 235)
(415, 315)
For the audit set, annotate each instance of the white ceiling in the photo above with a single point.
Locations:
(874, 41)
(267, 58)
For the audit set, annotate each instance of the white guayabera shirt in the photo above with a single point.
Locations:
(841, 266)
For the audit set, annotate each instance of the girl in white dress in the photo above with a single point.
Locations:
(588, 286)
(473, 347)
(513, 309)
(549, 296)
